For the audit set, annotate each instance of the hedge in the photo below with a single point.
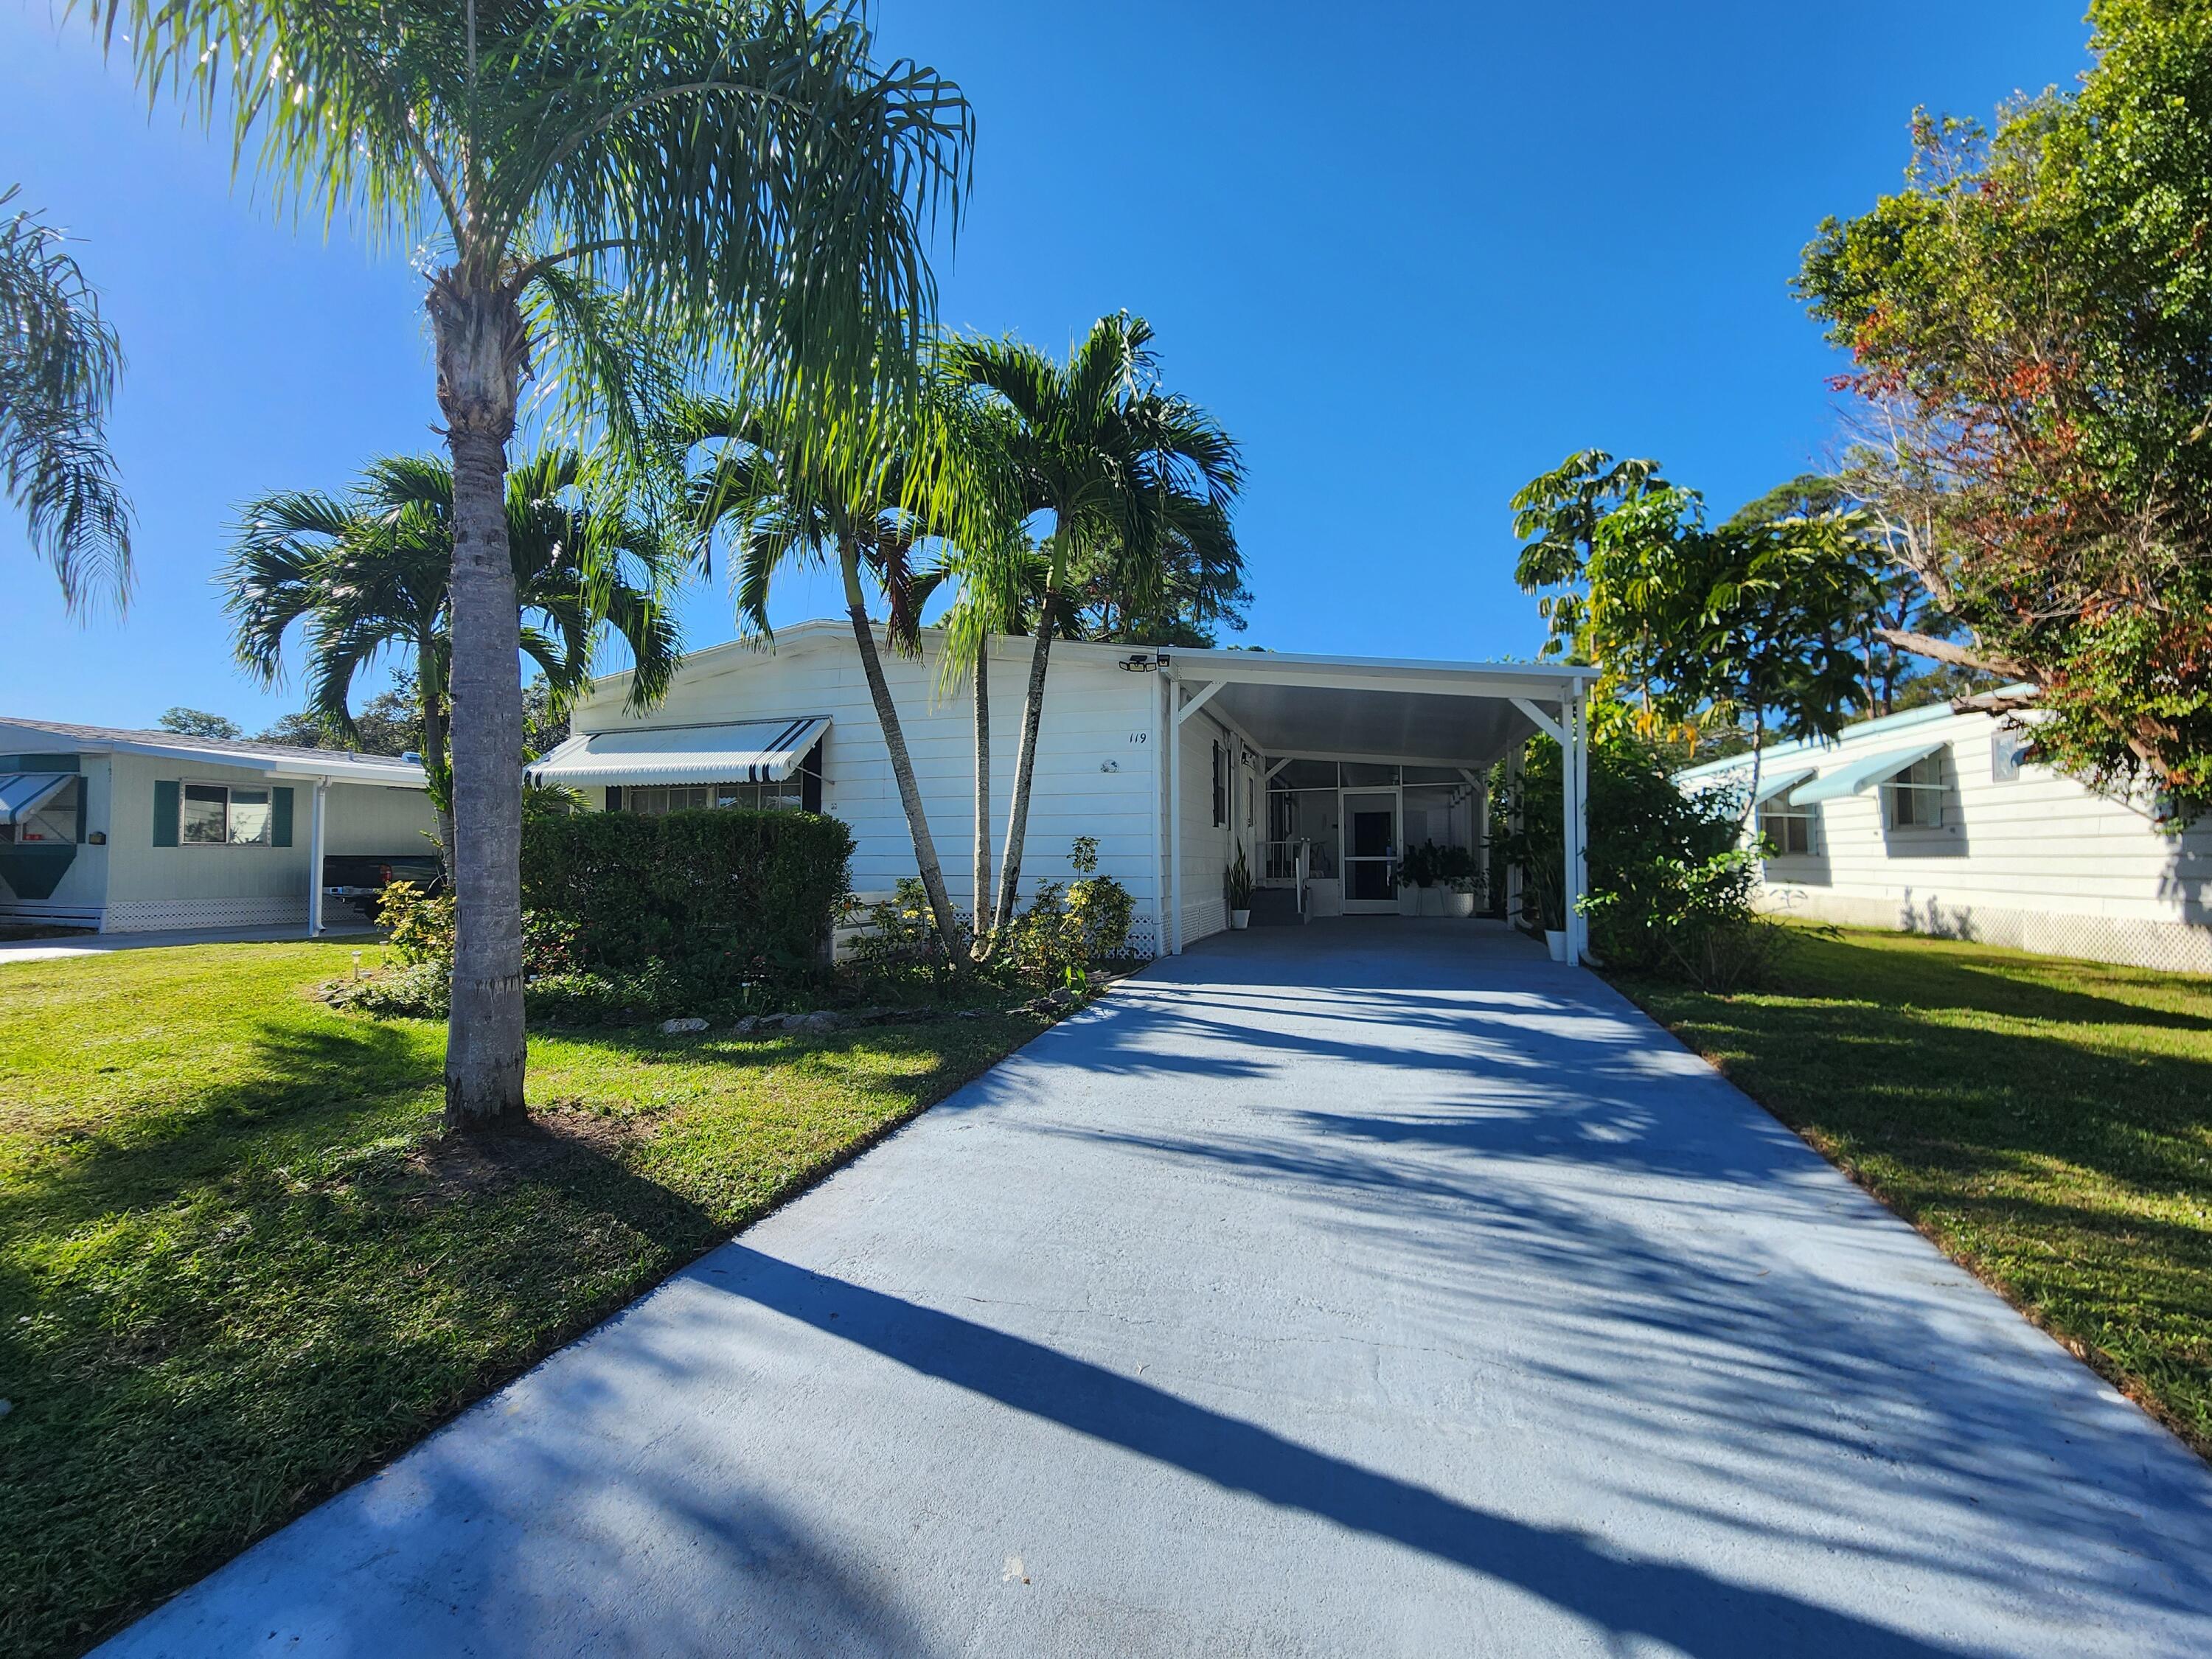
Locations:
(751, 887)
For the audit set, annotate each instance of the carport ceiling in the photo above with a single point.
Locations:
(1306, 719)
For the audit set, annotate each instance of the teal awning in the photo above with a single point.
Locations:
(1861, 776)
(22, 793)
(1778, 781)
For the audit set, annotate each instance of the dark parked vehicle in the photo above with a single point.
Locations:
(357, 883)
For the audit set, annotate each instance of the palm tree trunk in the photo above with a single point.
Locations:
(1017, 815)
(480, 350)
(917, 821)
(431, 692)
(982, 893)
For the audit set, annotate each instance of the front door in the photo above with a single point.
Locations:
(1370, 852)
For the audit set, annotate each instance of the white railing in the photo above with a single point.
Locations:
(1287, 863)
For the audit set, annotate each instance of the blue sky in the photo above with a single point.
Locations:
(1411, 256)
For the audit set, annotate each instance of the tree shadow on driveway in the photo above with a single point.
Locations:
(1701, 1615)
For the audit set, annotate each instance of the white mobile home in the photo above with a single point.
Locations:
(136, 831)
(1936, 822)
(1321, 770)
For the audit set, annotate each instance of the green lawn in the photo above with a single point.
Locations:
(238, 1267)
(2048, 1122)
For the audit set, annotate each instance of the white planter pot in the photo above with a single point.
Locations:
(1458, 904)
(1557, 942)
(1240, 918)
(1409, 901)
(1432, 900)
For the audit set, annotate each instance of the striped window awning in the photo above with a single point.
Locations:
(22, 793)
(750, 752)
(1861, 776)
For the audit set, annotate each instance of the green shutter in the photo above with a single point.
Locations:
(281, 818)
(165, 814)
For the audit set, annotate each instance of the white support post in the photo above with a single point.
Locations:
(1582, 820)
(315, 860)
(1173, 944)
(1163, 745)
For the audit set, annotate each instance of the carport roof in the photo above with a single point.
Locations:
(1449, 712)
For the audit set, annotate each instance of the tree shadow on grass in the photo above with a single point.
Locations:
(212, 1370)
(1928, 973)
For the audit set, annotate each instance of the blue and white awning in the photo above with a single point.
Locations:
(1861, 776)
(22, 793)
(751, 751)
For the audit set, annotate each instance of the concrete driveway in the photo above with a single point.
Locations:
(1367, 1288)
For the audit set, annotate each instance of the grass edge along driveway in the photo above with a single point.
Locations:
(2047, 1122)
(238, 1268)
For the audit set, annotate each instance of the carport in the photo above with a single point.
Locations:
(1279, 710)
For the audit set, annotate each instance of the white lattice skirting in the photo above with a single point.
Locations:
(161, 915)
(2140, 942)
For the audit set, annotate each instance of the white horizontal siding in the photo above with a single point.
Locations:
(1094, 715)
(2039, 859)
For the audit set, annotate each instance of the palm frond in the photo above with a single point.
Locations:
(59, 364)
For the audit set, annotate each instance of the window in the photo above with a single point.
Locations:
(216, 815)
(1220, 787)
(1788, 829)
(654, 800)
(1915, 798)
(54, 823)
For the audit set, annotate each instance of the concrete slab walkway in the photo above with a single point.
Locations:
(1355, 1289)
(60, 946)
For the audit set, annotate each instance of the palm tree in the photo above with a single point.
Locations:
(1115, 464)
(59, 361)
(994, 576)
(786, 492)
(604, 193)
(371, 571)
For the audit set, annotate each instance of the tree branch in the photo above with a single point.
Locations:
(1958, 656)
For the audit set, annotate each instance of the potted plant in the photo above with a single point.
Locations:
(1461, 878)
(1409, 882)
(1239, 887)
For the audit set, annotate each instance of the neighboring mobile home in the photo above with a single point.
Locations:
(1936, 822)
(134, 831)
(1321, 770)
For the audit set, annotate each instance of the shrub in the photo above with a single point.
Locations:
(1672, 890)
(421, 927)
(1058, 936)
(420, 990)
(717, 895)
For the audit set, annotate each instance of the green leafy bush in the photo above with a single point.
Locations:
(1062, 933)
(420, 927)
(717, 895)
(1672, 889)
(417, 990)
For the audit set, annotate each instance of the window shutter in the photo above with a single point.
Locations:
(280, 818)
(165, 814)
(614, 798)
(810, 780)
